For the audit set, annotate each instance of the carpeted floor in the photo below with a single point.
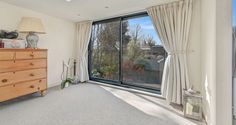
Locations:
(84, 104)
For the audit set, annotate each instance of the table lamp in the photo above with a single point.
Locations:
(32, 26)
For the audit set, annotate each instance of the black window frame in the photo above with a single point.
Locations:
(119, 82)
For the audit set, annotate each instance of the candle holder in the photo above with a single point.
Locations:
(192, 105)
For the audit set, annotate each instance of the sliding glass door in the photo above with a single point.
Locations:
(143, 55)
(104, 51)
(127, 51)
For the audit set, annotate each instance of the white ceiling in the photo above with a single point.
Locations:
(86, 9)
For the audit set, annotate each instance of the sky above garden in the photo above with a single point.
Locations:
(234, 12)
(146, 27)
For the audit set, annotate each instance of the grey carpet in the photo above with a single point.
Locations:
(84, 104)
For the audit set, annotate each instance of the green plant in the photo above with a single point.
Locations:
(141, 63)
(107, 71)
(67, 80)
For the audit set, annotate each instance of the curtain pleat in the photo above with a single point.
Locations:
(172, 22)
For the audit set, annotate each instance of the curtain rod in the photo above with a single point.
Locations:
(120, 15)
(135, 12)
(168, 2)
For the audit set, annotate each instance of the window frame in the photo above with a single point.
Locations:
(119, 82)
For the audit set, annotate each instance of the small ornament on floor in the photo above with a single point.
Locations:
(192, 104)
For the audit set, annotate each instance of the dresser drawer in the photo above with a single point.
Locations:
(24, 55)
(31, 55)
(29, 75)
(27, 87)
(40, 54)
(6, 78)
(16, 90)
(30, 64)
(42, 84)
(7, 92)
(7, 55)
(7, 66)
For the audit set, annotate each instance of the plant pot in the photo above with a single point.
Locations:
(66, 84)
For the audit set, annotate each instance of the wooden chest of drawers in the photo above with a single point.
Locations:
(22, 71)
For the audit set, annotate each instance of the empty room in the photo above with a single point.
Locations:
(117, 62)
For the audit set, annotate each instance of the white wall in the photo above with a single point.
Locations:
(216, 61)
(59, 39)
(208, 36)
(224, 62)
(194, 57)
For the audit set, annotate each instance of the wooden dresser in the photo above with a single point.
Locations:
(22, 71)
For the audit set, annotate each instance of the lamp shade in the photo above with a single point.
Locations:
(31, 24)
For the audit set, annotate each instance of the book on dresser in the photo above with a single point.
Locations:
(22, 72)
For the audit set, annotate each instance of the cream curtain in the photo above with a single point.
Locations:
(234, 68)
(234, 51)
(83, 32)
(172, 22)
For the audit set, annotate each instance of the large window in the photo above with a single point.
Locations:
(105, 50)
(127, 51)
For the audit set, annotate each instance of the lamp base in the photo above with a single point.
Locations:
(32, 40)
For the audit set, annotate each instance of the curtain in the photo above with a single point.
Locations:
(234, 51)
(172, 23)
(83, 33)
(234, 67)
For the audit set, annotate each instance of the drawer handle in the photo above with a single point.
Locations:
(31, 64)
(32, 55)
(40, 80)
(4, 80)
(32, 86)
(31, 74)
